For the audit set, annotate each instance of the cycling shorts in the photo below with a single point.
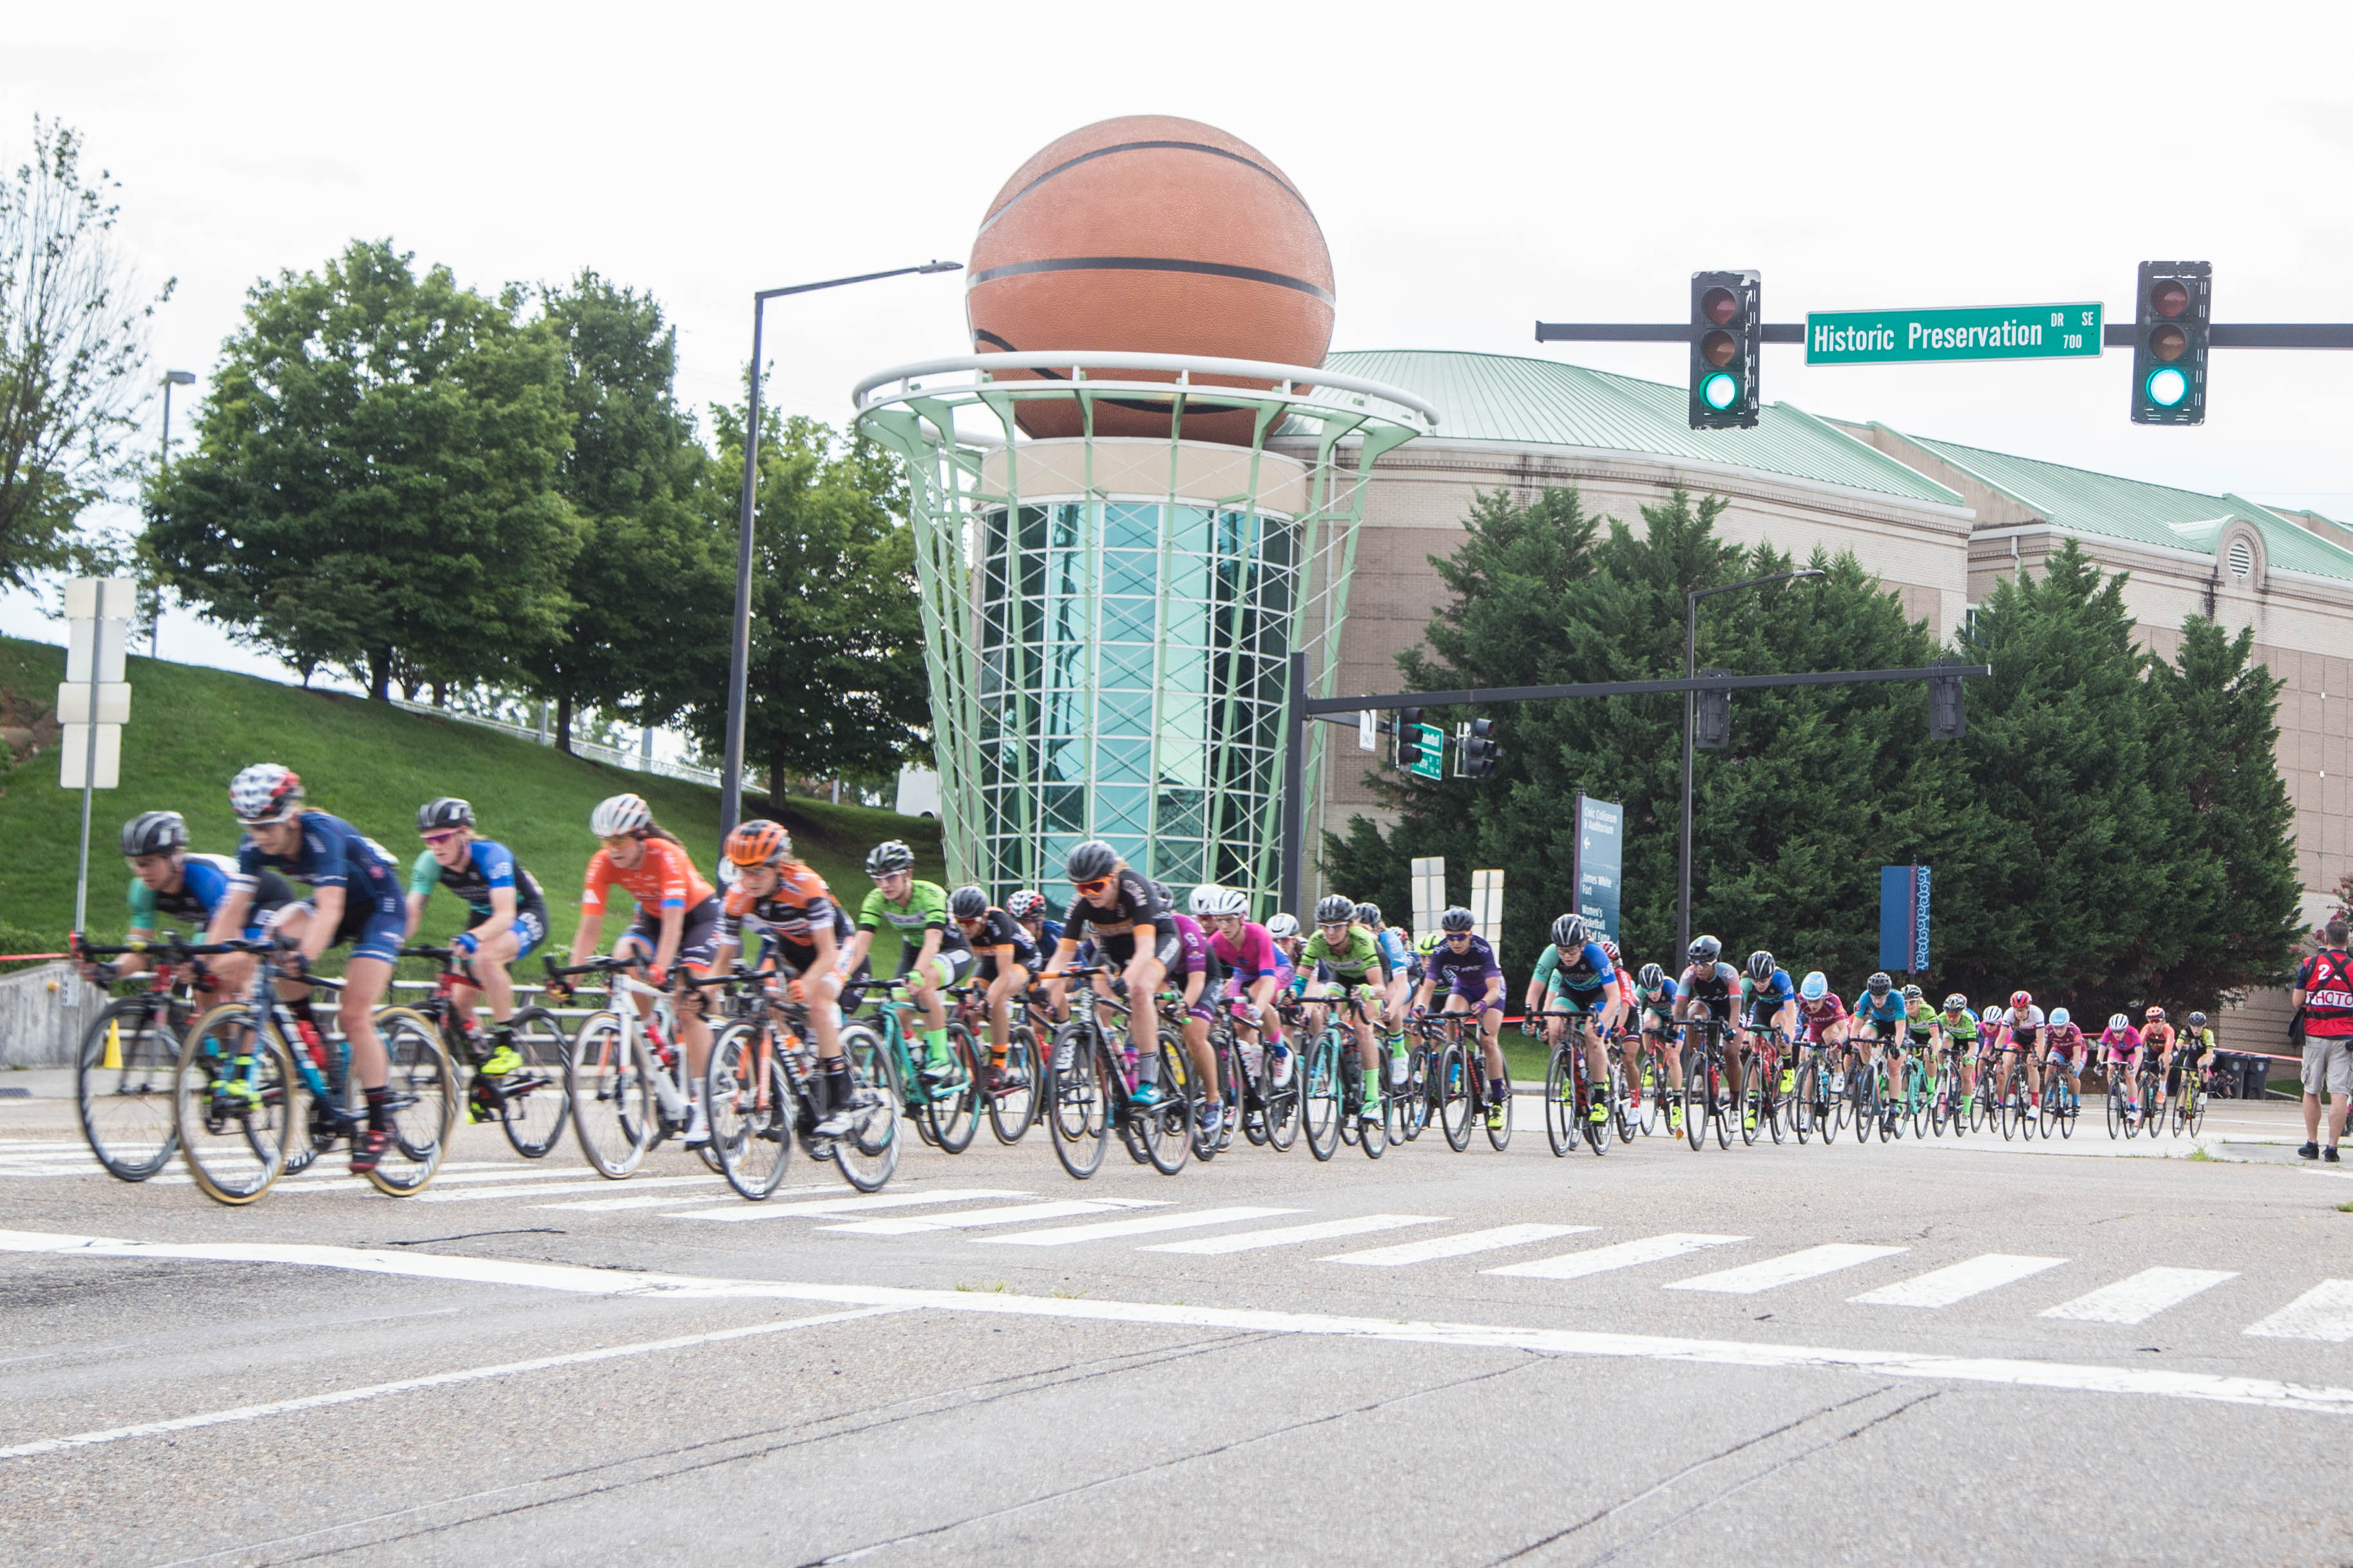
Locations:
(530, 930)
(803, 958)
(1118, 950)
(1592, 1001)
(374, 931)
(698, 934)
(1881, 1029)
(988, 969)
(949, 966)
(1657, 1023)
(2053, 1051)
(1473, 988)
(1716, 1007)
(1760, 1013)
(1811, 1029)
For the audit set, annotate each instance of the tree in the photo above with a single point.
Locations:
(374, 481)
(651, 584)
(73, 351)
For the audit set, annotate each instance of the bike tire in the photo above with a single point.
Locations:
(1455, 1090)
(1372, 1134)
(1013, 1112)
(2193, 1100)
(1916, 1095)
(1282, 1103)
(610, 1085)
(1800, 1113)
(1166, 1129)
(1626, 1122)
(1696, 1111)
(1499, 1131)
(122, 1086)
(237, 1156)
(423, 1107)
(1078, 1099)
(751, 1111)
(532, 1108)
(1320, 1097)
(868, 1157)
(1560, 1103)
(952, 1110)
(1863, 1099)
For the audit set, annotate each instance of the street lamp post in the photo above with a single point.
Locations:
(1690, 658)
(171, 378)
(739, 661)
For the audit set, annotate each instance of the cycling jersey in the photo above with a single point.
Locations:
(1760, 1005)
(1465, 974)
(925, 909)
(1886, 1009)
(1657, 1002)
(1921, 1017)
(663, 879)
(794, 912)
(204, 881)
(1587, 974)
(2120, 1043)
(1196, 958)
(2023, 1025)
(1000, 929)
(1961, 1027)
(1714, 987)
(1394, 957)
(1132, 903)
(335, 854)
(1819, 1015)
(1249, 958)
(2065, 1039)
(487, 864)
(2157, 1037)
(1352, 963)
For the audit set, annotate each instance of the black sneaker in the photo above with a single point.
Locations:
(2309, 1152)
(2328, 1155)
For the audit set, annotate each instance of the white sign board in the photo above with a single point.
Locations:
(1487, 905)
(76, 748)
(1428, 893)
(100, 598)
(110, 636)
(1369, 730)
(113, 702)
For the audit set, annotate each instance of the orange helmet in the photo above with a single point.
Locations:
(759, 842)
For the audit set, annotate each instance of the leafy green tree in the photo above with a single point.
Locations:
(374, 482)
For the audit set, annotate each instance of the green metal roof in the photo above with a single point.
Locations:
(1502, 398)
(2079, 499)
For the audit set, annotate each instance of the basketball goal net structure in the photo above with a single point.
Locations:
(1109, 619)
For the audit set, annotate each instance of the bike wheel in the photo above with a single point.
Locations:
(1013, 1112)
(123, 1084)
(1560, 1103)
(422, 1107)
(1077, 1108)
(1372, 1132)
(1940, 1098)
(1720, 1108)
(1800, 1107)
(236, 1105)
(1622, 1121)
(951, 1114)
(533, 1107)
(1863, 1099)
(1499, 1128)
(1654, 1091)
(1695, 1088)
(1282, 1102)
(2193, 1102)
(751, 1111)
(609, 1084)
(1320, 1097)
(1166, 1129)
(1453, 1091)
(869, 1155)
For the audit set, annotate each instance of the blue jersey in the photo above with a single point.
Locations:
(335, 854)
(1393, 956)
(205, 881)
(1581, 974)
(488, 865)
(1889, 1009)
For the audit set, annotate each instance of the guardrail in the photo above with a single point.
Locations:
(636, 762)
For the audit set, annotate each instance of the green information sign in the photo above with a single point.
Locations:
(1992, 332)
(1431, 761)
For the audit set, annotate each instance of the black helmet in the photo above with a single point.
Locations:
(1091, 861)
(1160, 893)
(1568, 933)
(1761, 966)
(1456, 919)
(155, 833)
(968, 903)
(2197, 1020)
(1651, 977)
(447, 812)
(1911, 994)
(1335, 909)
(1878, 984)
(1370, 915)
(1705, 950)
(888, 856)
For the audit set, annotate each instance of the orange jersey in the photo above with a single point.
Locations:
(665, 879)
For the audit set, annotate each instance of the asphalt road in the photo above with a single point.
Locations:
(1901, 1352)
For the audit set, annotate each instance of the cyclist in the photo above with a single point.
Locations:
(1198, 980)
(933, 951)
(355, 896)
(1654, 1006)
(1116, 910)
(1922, 1030)
(2199, 1041)
(1464, 962)
(1573, 975)
(2063, 1052)
(1254, 972)
(2121, 1044)
(1879, 1014)
(805, 929)
(1397, 958)
(1007, 958)
(1710, 988)
(1823, 1018)
(508, 920)
(1027, 909)
(1769, 1005)
(1346, 952)
(2016, 1035)
(1958, 1027)
(168, 881)
(2156, 1037)
(1283, 932)
(675, 933)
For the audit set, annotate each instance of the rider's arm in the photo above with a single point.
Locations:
(673, 931)
(1064, 947)
(328, 903)
(592, 907)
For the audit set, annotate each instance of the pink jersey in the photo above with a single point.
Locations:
(2120, 1042)
(1251, 957)
(2066, 1038)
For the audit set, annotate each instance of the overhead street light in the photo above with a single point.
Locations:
(171, 378)
(739, 661)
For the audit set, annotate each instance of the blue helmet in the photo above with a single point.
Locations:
(1814, 987)
(2059, 1018)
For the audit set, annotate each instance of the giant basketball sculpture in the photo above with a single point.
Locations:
(1135, 505)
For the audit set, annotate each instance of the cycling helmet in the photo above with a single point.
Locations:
(1091, 861)
(1203, 896)
(1025, 904)
(265, 792)
(1879, 984)
(1456, 920)
(2197, 1020)
(1911, 994)
(1227, 902)
(1705, 950)
(1568, 933)
(1651, 977)
(759, 842)
(2060, 1017)
(2156, 1016)
(155, 833)
(968, 903)
(1956, 1002)
(2021, 999)
(1160, 892)
(1611, 948)
(620, 814)
(888, 857)
(2118, 1021)
(1335, 909)
(1369, 916)
(1761, 966)
(447, 812)
(1283, 926)
(1814, 986)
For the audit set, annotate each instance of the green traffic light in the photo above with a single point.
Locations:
(1720, 390)
(2168, 386)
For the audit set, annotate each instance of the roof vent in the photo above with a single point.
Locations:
(2242, 556)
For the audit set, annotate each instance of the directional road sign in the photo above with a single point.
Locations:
(1430, 762)
(1991, 331)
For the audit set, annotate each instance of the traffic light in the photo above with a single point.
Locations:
(1726, 327)
(1946, 721)
(1711, 726)
(1478, 748)
(1409, 737)
(2169, 331)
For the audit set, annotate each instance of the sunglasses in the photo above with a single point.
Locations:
(437, 839)
(1093, 886)
(615, 841)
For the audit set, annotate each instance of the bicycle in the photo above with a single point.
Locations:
(761, 1091)
(625, 1077)
(528, 1104)
(1089, 1090)
(1912, 1097)
(2060, 1102)
(1809, 1096)
(1760, 1090)
(1945, 1107)
(1568, 1091)
(260, 1091)
(1269, 1111)
(946, 1115)
(1334, 1086)
(130, 1051)
(1012, 1103)
(2189, 1098)
(1650, 1063)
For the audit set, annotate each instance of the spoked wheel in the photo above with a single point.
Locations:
(868, 1154)
(610, 1086)
(1320, 1097)
(1166, 1131)
(1916, 1090)
(531, 1105)
(1560, 1103)
(1799, 1109)
(236, 1105)
(1863, 1099)
(129, 1058)
(951, 1114)
(1626, 1121)
(1373, 1132)
(422, 1107)
(1654, 1091)
(751, 1111)
(1695, 1095)
(1454, 1095)
(1078, 1099)
(2070, 1105)
(1940, 1098)
(1282, 1100)
(2151, 1085)
(2193, 1102)
(1012, 1111)
(1720, 1111)
(1411, 1102)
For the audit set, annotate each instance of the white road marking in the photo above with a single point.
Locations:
(1810, 1263)
(1943, 1287)
(1071, 1235)
(1012, 1214)
(1618, 1255)
(1459, 1245)
(2141, 1297)
(1294, 1235)
(2265, 1392)
(437, 1380)
(664, 1200)
(2323, 1312)
(595, 1184)
(450, 1176)
(827, 1208)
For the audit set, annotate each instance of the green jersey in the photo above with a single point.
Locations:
(1963, 1029)
(926, 908)
(1351, 963)
(1923, 1018)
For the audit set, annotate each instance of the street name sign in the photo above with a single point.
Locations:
(1430, 763)
(1990, 332)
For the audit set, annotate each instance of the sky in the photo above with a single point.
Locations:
(1474, 168)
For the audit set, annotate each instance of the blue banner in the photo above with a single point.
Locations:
(1600, 858)
(1903, 918)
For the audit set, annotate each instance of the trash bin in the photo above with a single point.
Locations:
(2258, 1072)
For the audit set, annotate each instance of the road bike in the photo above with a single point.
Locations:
(945, 1113)
(1651, 1075)
(528, 1104)
(1706, 1097)
(1090, 1089)
(764, 1090)
(1760, 1086)
(122, 1073)
(1946, 1096)
(1459, 1088)
(1811, 1101)
(1333, 1089)
(2194, 1089)
(1569, 1096)
(624, 1076)
(1010, 1096)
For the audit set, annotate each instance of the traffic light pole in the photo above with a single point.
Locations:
(2113, 334)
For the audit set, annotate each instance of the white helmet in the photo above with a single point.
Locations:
(620, 814)
(1283, 925)
(1203, 896)
(1220, 902)
(265, 792)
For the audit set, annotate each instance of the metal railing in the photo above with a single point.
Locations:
(636, 762)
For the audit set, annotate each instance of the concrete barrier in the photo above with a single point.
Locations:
(40, 1025)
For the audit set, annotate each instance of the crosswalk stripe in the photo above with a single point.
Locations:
(1618, 1255)
(657, 1199)
(1292, 1234)
(484, 1194)
(450, 1178)
(1772, 1273)
(1459, 1245)
(737, 1213)
(2323, 1312)
(974, 1219)
(2141, 1297)
(1958, 1282)
(1069, 1235)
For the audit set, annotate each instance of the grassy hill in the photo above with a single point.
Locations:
(192, 728)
